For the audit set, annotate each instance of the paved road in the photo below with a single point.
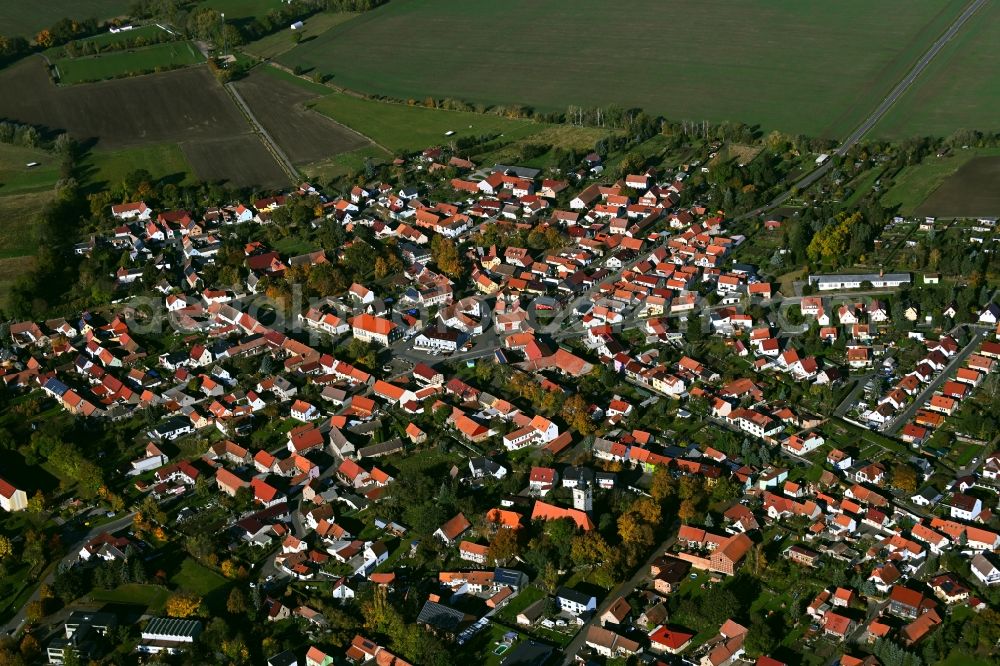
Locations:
(624, 589)
(879, 111)
(909, 79)
(906, 415)
(15, 624)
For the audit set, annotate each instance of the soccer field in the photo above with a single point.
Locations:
(813, 67)
(127, 63)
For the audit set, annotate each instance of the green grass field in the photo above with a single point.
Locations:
(15, 175)
(404, 128)
(195, 578)
(127, 63)
(242, 9)
(107, 38)
(17, 214)
(810, 67)
(153, 597)
(102, 168)
(23, 18)
(282, 41)
(958, 90)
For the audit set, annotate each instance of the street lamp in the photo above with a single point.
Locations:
(224, 45)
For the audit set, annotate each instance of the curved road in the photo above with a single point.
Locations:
(14, 625)
(879, 111)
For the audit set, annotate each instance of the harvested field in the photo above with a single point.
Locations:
(186, 107)
(183, 105)
(237, 160)
(303, 134)
(973, 191)
(811, 67)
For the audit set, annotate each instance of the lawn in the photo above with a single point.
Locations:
(811, 67)
(166, 161)
(17, 177)
(26, 18)
(153, 597)
(915, 183)
(195, 578)
(117, 64)
(280, 42)
(403, 128)
(958, 90)
(345, 163)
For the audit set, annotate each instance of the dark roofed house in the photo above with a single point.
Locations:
(439, 617)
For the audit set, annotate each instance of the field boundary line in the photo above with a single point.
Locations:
(333, 89)
(269, 143)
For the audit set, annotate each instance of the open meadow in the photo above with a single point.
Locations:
(20, 17)
(802, 67)
(402, 128)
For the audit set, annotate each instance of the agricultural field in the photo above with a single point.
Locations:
(958, 90)
(802, 67)
(240, 160)
(187, 109)
(277, 99)
(26, 18)
(913, 185)
(158, 57)
(973, 191)
(282, 41)
(402, 128)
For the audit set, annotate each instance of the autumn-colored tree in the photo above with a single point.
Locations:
(504, 546)
(446, 256)
(549, 578)
(229, 569)
(647, 510)
(183, 604)
(30, 647)
(35, 611)
(44, 39)
(237, 602)
(662, 485)
(576, 413)
(379, 614)
(633, 531)
(6, 548)
(687, 511)
(690, 487)
(590, 549)
(236, 650)
(904, 478)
